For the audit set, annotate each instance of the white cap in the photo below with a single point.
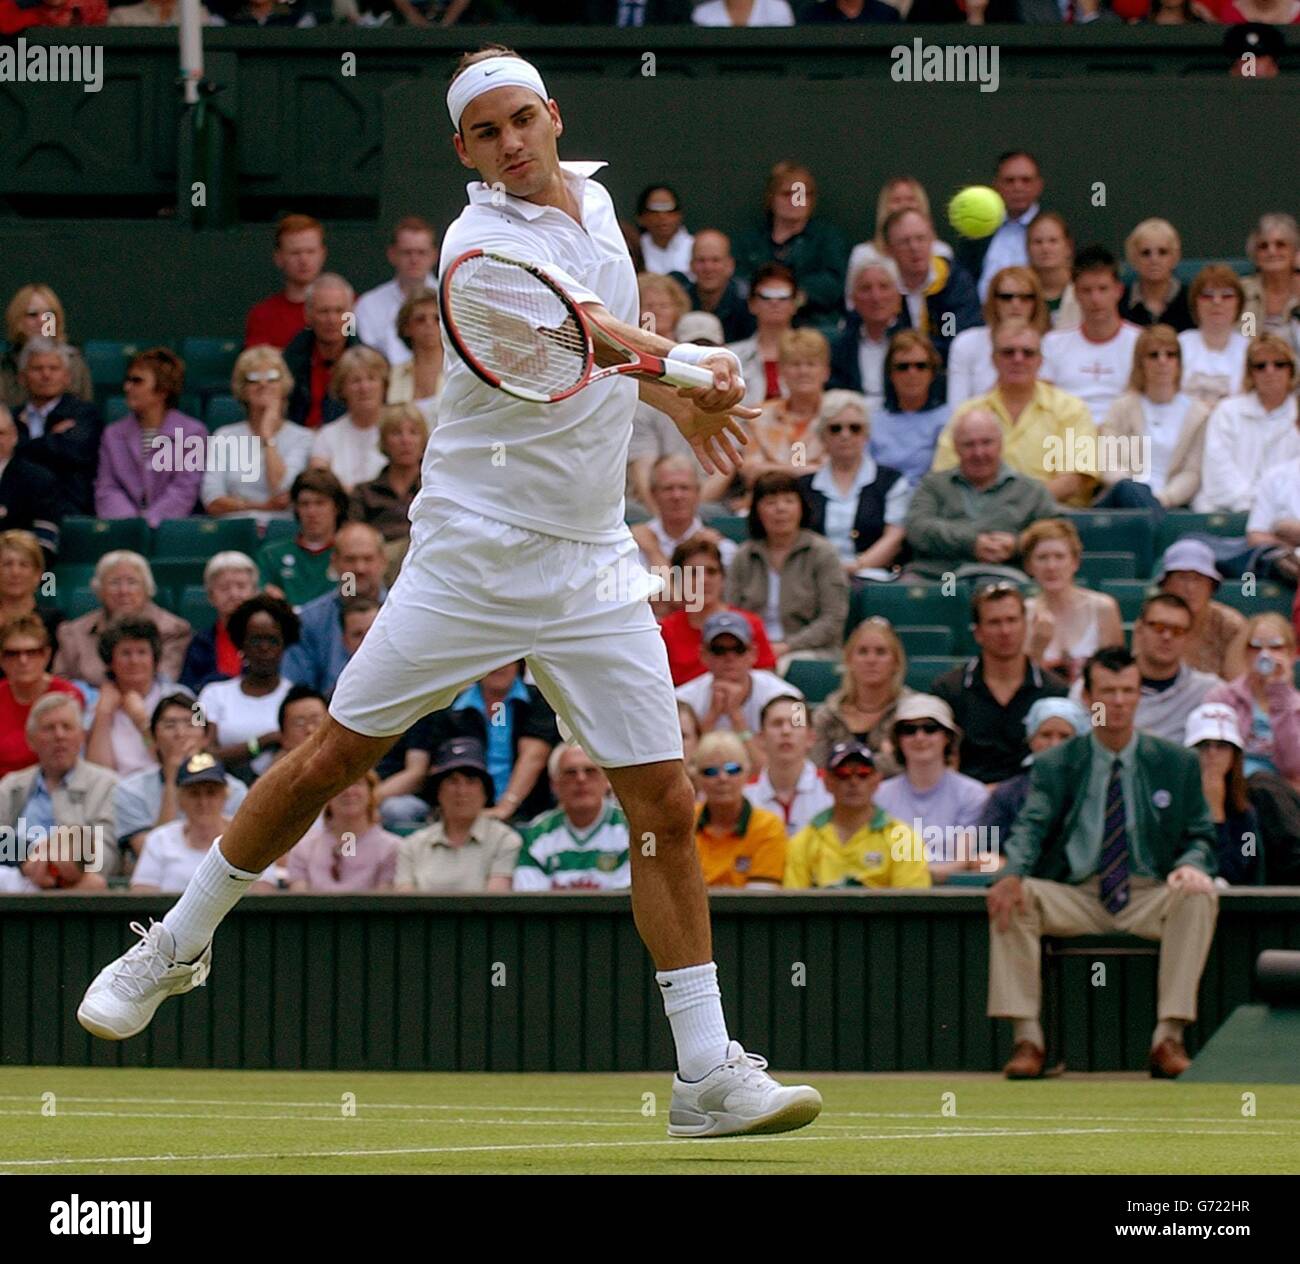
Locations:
(1213, 722)
(925, 706)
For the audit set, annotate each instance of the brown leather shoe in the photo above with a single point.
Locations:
(1169, 1060)
(1026, 1062)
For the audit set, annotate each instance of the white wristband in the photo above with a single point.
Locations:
(693, 353)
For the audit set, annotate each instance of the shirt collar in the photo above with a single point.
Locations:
(473, 696)
(576, 174)
(742, 824)
(866, 475)
(1005, 472)
(1027, 218)
(1127, 754)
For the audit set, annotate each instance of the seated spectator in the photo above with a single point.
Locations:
(413, 256)
(1067, 624)
(57, 430)
(123, 582)
(516, 728)
(939, 296)
(855, 842)
(1274, 521)
(302, 712)
(665, 241)
(418, 378)
(243, 712)
(1048, 723)
(22, 574)
(793, 234)
(1094, 361)
(715, 289)
(467, 848)
(788, 575)
(1050, 246)
(299, 569)
(65, 804)
(35, 311)
(863, 709)
(357, 616)
(403, 774)
(1217, 641)
(346, 850)
(1251, 432)
(790, 785)
(1213, 734)
(740, 845)
(991, 695)
(732, 692)
(229, 579)
(683, 628)
(1018, 181)
(675, 496)
(299, 256)
(384, 502)
(582, 844)
(774, 297)
(15, 17)
(1072, 867)
(858, 505)
(349, 447)
(905, 431)
(1047, 434)
(1269, 294)
(172, 853)
(784, 439)
(929, 793)
(320, 654)
(690, 724)
(973, 513)
(148, 798)
(156, 13)
(119, 736)
(858, 351)
(1153, 437)
(1156, 297)
(847, 12)
(1014, 294)
(898, 193)
(280, 450)
(743, 13)
(1214, 352)
(1266, 705)
(146, 469)
(28, 492)
(663, 303)
(314, 353)
(25, 652)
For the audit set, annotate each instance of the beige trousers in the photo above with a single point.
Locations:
(1182, 921)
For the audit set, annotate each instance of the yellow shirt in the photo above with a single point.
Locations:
(754, 853)
(1055, 434)
(883, 853)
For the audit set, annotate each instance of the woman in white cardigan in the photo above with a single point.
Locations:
(1153, 436)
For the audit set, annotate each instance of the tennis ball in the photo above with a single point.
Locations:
(977, 211)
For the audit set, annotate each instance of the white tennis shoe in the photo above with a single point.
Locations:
(739, 1097)
(122, 999)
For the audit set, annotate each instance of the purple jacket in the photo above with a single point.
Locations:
(1283, 715)
(129, 486)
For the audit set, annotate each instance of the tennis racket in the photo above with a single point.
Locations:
(520, 332)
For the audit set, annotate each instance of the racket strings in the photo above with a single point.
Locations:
(516, 326)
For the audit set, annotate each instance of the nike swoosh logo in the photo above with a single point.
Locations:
(487, 74)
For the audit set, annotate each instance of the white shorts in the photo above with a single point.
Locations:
(475, 593)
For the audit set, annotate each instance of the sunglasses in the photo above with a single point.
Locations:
(782, 296)
(859, 770)
(1148, 252)
(263, 375)
(1223, 295)
(1170, 629)
(902, 366)
(839, 427)
(928, 727)
(1275, 644)
(1006, 296)
(1163, 353)
(721, 651)
(33, 653)
(1018, 353)
(731, 768)
(1270, 364)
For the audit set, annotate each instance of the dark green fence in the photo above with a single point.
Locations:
(879, 982)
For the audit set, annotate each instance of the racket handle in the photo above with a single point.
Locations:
(679, 373)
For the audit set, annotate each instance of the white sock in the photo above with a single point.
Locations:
(1027, 1029)
(1168, 1029)
(693, 1003)
(217, 886)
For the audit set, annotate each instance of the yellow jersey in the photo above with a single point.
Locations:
(882, 853)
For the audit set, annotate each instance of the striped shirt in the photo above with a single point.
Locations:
(558, 857)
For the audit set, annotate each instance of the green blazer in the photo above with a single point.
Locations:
(1174, 823)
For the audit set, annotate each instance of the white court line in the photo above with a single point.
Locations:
(6, 1164)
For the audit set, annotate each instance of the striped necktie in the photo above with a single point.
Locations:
(1114, 845)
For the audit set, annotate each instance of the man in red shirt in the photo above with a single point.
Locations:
(300, 256)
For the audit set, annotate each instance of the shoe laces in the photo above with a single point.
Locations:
(143, 966)
(752, 1066)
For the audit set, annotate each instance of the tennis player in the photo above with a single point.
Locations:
(516, 533)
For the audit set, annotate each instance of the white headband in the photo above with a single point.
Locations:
(484, 76)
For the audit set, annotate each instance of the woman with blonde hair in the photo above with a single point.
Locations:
(862, 710)
(35, 310)
(419, 380)
(785, 438)
(1050, 246)
(261, 381)
(898, 193)
(664, 300)
(1153, 250)
(1214, 353)
(740, 845)
(385, 500)
(349, 447)
(1272, 291)
(1154, 433)
(1066, 624)
(1014, 293)
(22, 570)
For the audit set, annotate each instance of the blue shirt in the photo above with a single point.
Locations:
(38, 812)
(1259, 742)
(500, 730)
(906, 441)
(320, 656)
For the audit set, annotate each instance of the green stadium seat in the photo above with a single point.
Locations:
(88, 539)
(193, 605)
(1180, 522)
(1096, 567)
(78, 601)
(191, 404)
(923, 672)
(114, 409)
(1129, 593)
(70, 577)
(1266, 596)
(107, 360)
(1117, 531)
(209, 362)
(178, 573)
(734, 528)
(927, 642)
(202, 537)
(222, 410)
(816, 679)
(280, 529)
(909, 605)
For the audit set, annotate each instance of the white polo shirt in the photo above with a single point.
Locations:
(376, 313)
(764, 686)
(1096, 372)
(810, 797)
(1277, 496)
(558, 469)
